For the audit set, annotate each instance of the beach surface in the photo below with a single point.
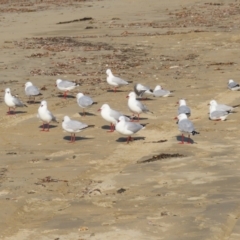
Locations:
(100, 187)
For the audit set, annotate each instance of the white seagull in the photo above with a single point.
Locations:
(84, 101)
(111, 115)
(45, 115)
(217, 115)
(72, 126)
(31, 91)
(65, 86)
(135, 106)
(142, 90)
(232, 85)
(183, 108)
(160, 92)
(185, 126)
(115, 81)
(12, 101)
(223, 107)
(128, 128)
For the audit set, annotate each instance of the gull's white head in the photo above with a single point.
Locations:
(66, 119)
(43, 103)
(27, 84)
(182, 102)
(109, 72)
(213, 108)
(79, 95)
(58, 81)
(104, 107)
(122, 119)
(230, 81)
(132, 95)
(182, 116)
(158, 87)
(8, 91)
(213, 103)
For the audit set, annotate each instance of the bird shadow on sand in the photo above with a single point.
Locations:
(106, 127)
(16, 112)
(32, 103)
(124, 139)
(145, 99)
(86, 114)
(112, 90)
(185, 139)
(68, 96)
(50, 126)
(77, 138)
(135, 119)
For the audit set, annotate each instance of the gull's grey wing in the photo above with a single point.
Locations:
(115, 114)
(18, 102)
(184, 109)
(218, 114)
(75, 125)
(160, 93)
(223, 107)
(52, 117)
(85, 101)
(66, 84)
(32, 91)
(133, 127)
(143, 107)
(185, 125)
(119, 81)
(233, 85)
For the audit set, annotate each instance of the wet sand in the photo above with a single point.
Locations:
(99, 187)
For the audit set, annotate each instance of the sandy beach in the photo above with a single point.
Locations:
(100, 187)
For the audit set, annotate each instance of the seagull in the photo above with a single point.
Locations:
(232, 85)
(115, 81)
(84, 101)
(135, 106)
(45, 115)
(185, 126)
(65, 86)
(183, 108)
(159, 92)
(128, 128)
(31, 91)
(111, 116)
(72, 126)
(223, 107)
(217, 115)
(141, 90)
(12, 101)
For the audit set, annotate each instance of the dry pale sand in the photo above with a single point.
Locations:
(96, 188)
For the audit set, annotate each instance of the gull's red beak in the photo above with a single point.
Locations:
(208, 104)
(99, 109)
(127, 96)
(175, 118)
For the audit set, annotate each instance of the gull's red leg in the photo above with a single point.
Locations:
(182, 142)
(189, 139)
(47, 128)
(43, 127)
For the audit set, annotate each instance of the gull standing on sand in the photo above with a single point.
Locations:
(65, 86)
(45, 115)
(12, 101)
(115, 81)
(111, 116)
(135, 106)
(232, 85)
(128, 128)
(185, 126)
(159, 92)
(217, 115)
(223, 107)
(183, 108)
(84, 101)
(72, 126)
(141, 90)
(31, 91)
